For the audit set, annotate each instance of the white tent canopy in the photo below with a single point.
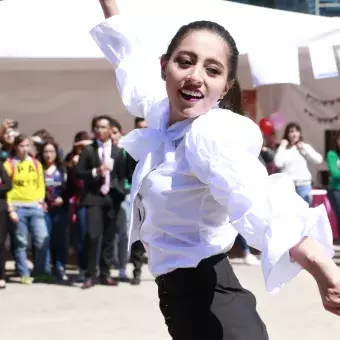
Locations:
(53, 75)
(53, 35)
(59, 29)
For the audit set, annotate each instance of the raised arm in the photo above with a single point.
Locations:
(109, 7)
(138, 75)
(280, 157)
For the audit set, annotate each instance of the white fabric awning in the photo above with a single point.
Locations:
(53, 34)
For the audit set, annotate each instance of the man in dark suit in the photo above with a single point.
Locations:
(97, 166)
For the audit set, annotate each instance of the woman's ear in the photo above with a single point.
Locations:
(163, 66)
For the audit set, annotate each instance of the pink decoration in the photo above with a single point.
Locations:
(278, 119)
(323, 199)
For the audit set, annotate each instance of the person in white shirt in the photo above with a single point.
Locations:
(192, 191)
(292, 156)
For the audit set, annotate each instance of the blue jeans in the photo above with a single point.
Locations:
(31, 219)
(57, 226)
(305, 192)
(81, 233)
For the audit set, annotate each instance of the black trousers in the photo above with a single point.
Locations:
(208, 303)
(123, 238)
(4, 229)
(101, 225)
(137, 253)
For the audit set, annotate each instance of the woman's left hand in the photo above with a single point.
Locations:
(58, 202)
(330, 295)
(324, 270)
(301, 148)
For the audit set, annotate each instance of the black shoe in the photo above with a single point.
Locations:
(88, 283)
(136, 279)
(108, 281)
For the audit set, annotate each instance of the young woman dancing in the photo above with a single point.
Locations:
(192, 191)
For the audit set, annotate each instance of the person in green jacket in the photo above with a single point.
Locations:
(333, 161)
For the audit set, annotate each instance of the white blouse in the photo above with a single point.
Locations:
(199, 182)
(293, 162)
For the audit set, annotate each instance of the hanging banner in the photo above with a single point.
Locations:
(323, 60)
(323, 102)
(277, 65)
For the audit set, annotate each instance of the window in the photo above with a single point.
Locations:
(328, 8)
(303, 6)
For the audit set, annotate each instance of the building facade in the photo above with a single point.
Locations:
(318, 7)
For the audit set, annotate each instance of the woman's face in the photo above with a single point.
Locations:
(49, 154)
(23, 149)
(9, 136)
(196, 74)
(294, 135)
(115, 135)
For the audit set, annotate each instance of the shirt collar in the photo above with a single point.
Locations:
(140, 142)
(107, 143)
(28, 158)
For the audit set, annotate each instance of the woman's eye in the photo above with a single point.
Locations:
(183, 62)
(213, 71)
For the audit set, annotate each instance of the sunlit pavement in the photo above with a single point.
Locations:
(41, 312)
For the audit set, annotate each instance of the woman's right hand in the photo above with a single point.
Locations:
(109, 8)
(284, 143)
(14, 216)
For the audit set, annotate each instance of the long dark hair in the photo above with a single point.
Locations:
(78, 137)
(233, 99)
(58, 161)
(290, 126)
(17, 140)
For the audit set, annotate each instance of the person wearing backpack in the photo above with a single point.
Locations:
(26, 209)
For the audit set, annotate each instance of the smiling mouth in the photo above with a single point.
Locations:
(190, 95)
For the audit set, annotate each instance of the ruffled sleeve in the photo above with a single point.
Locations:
(138, 75)
(222, 150)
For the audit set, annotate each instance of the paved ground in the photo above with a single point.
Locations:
(41, 312)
